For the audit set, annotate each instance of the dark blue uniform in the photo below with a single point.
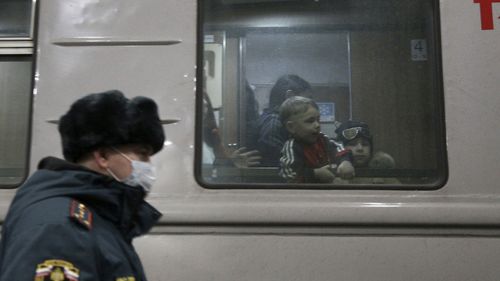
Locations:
(70, 223)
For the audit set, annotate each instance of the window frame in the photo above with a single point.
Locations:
(23, 46)
(440, 139)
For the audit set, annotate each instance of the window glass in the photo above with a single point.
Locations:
(15, 18)
(371, 115)
(16, 59)
(15, 98)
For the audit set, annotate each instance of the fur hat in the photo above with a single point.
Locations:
(350, 130)
(109, 119)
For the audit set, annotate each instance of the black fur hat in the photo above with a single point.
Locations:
(108, 119)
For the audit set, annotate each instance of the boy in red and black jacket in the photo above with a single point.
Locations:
(310, 156)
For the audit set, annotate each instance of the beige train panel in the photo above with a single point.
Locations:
(166, 72)
(318, 258)
(471, 66)
(142, 48)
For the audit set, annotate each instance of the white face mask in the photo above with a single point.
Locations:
(143, 174)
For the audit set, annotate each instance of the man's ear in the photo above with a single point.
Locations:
(290, 127)
(100, 157)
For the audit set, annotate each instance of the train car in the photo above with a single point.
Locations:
(423, 74)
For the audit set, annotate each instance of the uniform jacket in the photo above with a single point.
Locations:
(70, 223)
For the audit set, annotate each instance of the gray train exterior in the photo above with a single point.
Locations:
(150, 48)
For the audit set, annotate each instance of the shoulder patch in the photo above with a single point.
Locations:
(56, 270)
(81, 214)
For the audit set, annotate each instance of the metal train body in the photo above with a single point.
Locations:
(267, 232)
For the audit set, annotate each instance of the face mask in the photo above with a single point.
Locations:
(143, 174)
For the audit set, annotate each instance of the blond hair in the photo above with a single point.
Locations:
(293, 106)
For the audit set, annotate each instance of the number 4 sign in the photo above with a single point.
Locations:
(486, 9)
(418, 50)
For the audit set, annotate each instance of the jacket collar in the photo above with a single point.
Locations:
(122, 204)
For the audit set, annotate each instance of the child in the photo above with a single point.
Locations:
(309, 156)
(271, 133)
(355, 136)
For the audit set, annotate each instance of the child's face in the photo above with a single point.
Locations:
(305, 126)
(361, 151)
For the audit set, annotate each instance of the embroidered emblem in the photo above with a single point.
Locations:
(81, 214)
(125, 279)
(56, 270)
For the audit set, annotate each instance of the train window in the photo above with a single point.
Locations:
(15, 18)
(16, 60)
(369, 76)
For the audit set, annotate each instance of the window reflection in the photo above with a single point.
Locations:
(15, 18)
(15, 100)
(16, 43)
(373, 62)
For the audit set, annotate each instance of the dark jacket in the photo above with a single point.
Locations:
(271, 137)
(69, 221)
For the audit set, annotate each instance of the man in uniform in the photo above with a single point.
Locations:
(75, 219)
